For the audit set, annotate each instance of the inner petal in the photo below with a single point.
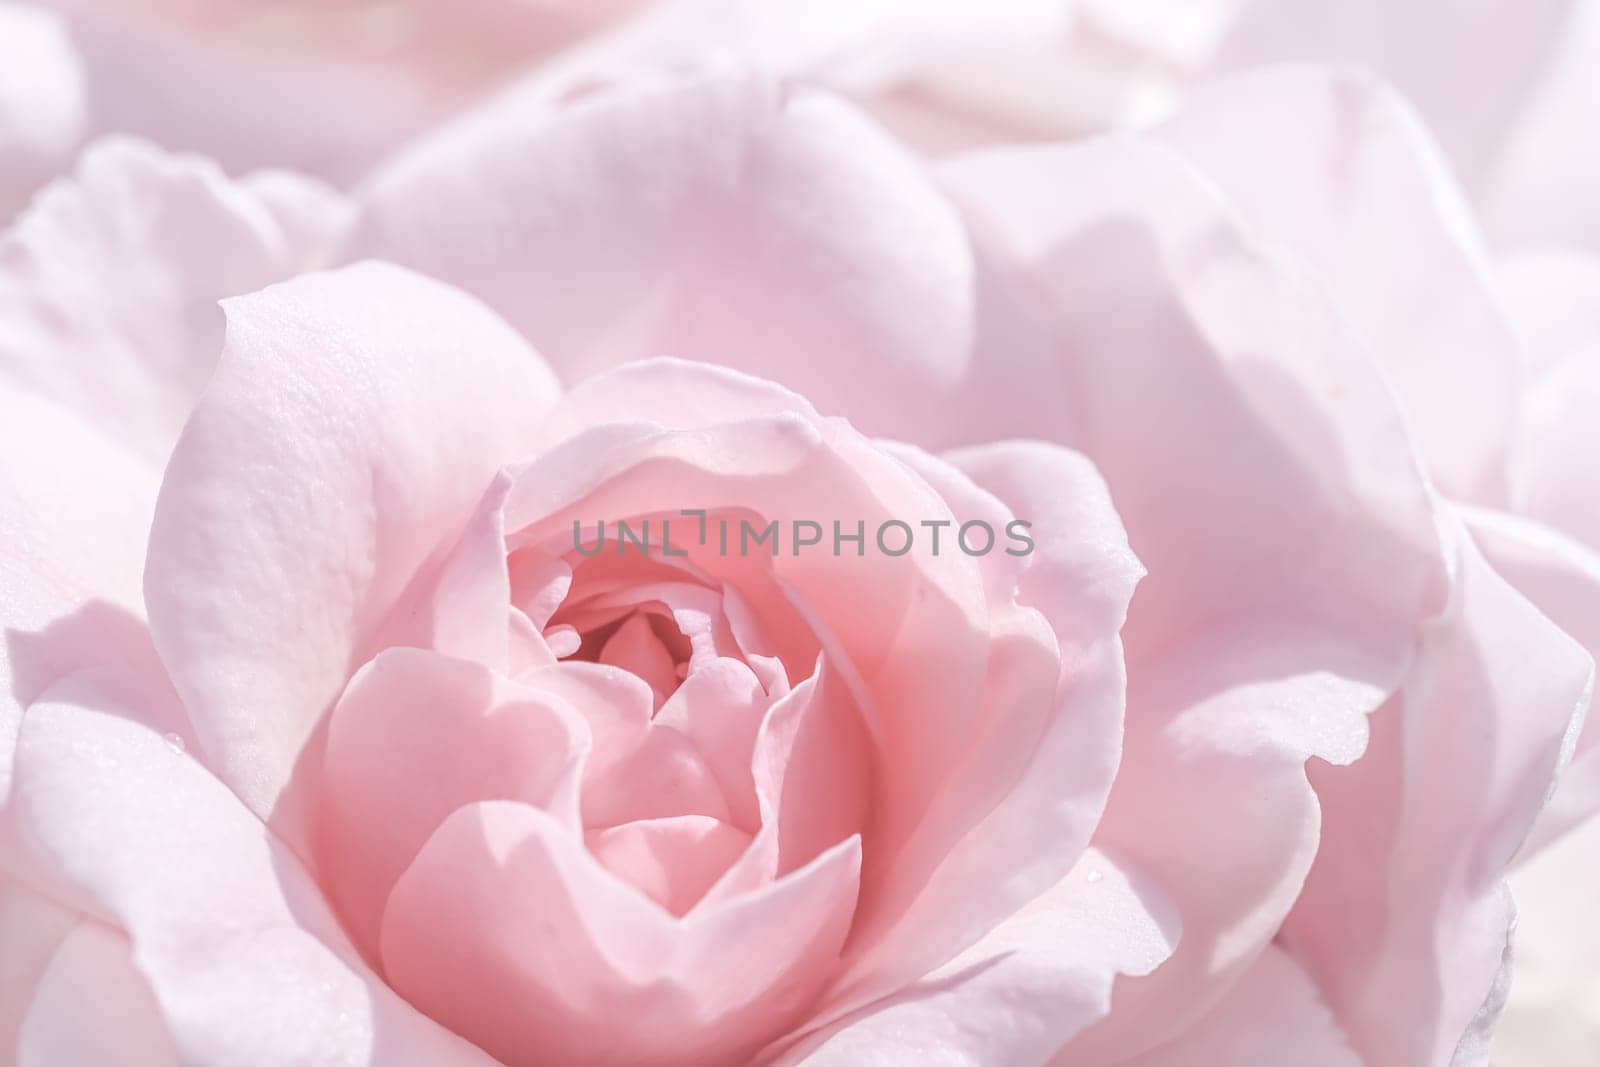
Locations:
(635, 647)
(660, 619)
(670, 801)
(673, 861)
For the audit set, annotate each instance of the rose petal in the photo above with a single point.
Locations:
(1562, 579)
(32, 927)
(1421, 47)
(1038, 769)
(1260, 638)
(459, 607)
(41, 102)
(353, 426)
(1155, 295)
(1404, 920)
(720, 707)
(1080, 570)
(811, 773)
(1337, 167)
(1555, 478)
(94, 965)
(539, 583)
(1018, 994)
(635, 648)
(1212, 800)
(75, 512)
(415, 736)
(1539, 192)
(109, 284)
(270, 72)
(1550, 1017)
(636, 768)
(673, 861)
(1552, 299)
(508, 931)
(245, 961)
(940, 74)
(1273, 1014)
(781, 234)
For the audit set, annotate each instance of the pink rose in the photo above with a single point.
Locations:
(724, 802)
(379, 765)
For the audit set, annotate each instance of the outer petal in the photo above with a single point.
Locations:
(327, 88)
(1156, 298)
(1339, 169)
(1562, 579)
(1404, 921)
(1468, 70)
(94, 965)
(1267, 483)
(355, 422)
(1553, 557)
(1212, 799)
(1540, 191)
(871, 45)
(109, 282)
(1023, 990)
(41, 102)
(936, 72)
(1040, 771)
(1553, 301)
(32, 927)
(1551, 1017)
(243, 957)
(74, 516)
(769, 229)
(1274, 1014)
(1556, 478)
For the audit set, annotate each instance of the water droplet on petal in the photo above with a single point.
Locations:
(174, 742)
(1095, 876)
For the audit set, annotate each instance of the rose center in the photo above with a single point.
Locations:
(644, 640)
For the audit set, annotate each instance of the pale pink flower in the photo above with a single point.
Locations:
(321, 743)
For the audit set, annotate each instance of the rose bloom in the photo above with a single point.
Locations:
(323, 744)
